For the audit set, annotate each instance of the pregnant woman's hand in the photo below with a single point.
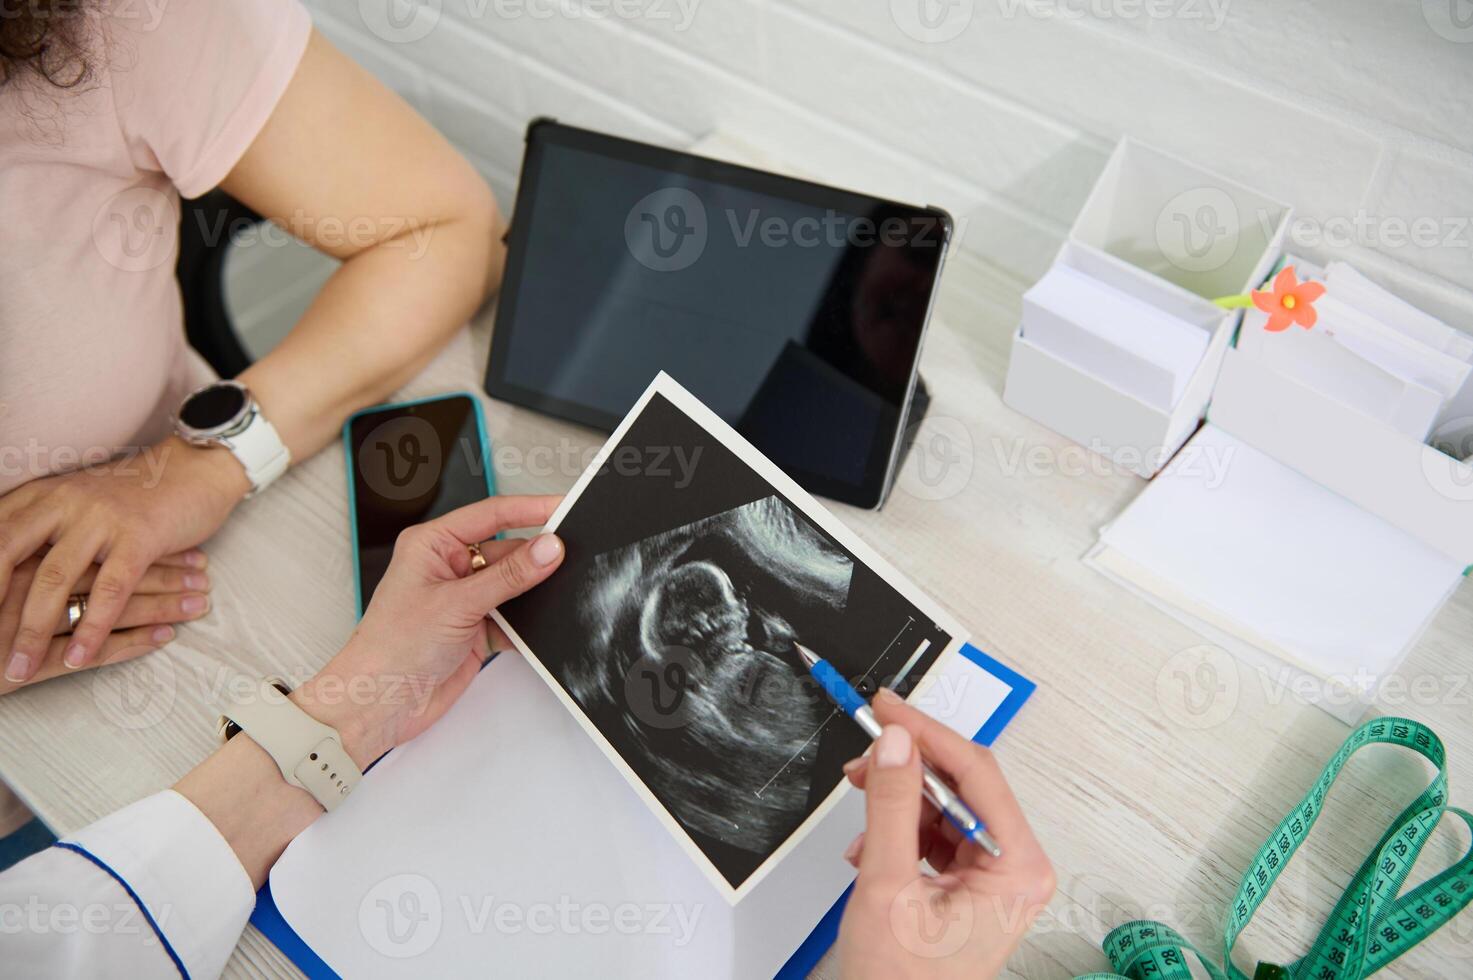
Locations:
(966, 921)
(425, 633)
(175, 589)
(123, 517)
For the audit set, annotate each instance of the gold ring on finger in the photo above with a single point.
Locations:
(76, 608)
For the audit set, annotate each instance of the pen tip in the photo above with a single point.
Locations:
(809, 657)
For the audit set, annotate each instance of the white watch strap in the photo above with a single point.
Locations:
(261, 451)
(309, 754)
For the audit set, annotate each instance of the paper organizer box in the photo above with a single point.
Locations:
(1119, 344)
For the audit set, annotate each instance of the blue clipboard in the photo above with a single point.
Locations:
(268, 919)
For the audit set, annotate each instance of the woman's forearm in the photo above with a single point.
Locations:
(375, 324)
(244, 795)
(348, 167)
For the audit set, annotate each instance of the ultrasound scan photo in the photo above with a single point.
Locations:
(670, 627)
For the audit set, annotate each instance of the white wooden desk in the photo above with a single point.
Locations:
(1143, 810)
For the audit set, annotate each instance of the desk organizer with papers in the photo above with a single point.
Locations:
(650, 786)
(1119, 343)
(1324, 514)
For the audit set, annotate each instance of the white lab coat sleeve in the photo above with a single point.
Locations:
(152, 890)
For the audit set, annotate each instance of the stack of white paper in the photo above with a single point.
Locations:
(1308, 528)
(1258, 557)
(1377, 354)
(1132, 344)
(501, 842)
(1345, 282)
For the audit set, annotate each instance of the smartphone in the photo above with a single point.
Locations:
(407, 464)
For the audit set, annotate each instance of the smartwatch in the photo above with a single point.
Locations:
(309, 754)
(224, 415)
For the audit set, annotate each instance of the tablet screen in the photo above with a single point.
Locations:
(794, 311)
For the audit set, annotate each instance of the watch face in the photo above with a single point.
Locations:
(213, 407)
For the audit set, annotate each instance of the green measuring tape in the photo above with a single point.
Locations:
(1371, 924)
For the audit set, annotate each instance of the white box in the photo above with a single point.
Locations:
(1170, 234)
(1405, 482)
(1312, 541)
(1134, 345)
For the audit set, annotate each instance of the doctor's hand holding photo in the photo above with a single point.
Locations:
(203, 848)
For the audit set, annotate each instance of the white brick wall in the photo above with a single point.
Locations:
(1359, 112)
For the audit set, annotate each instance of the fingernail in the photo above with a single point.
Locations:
(546, 550)
(19, 665)
(892, 750)
(192, 604)
(851, 853)
(885, 694)
(75, 656)
(196, 558)
(854, 765)
(162, 634)
(196, 581)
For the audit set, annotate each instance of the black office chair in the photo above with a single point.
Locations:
(205, 226)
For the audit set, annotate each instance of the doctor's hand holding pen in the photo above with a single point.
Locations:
(968, 918)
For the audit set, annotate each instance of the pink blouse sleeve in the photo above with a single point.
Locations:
(194, 83)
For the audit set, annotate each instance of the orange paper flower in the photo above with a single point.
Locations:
(1290, 301)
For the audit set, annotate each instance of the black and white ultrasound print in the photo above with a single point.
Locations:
(694, 627)
(671, 627)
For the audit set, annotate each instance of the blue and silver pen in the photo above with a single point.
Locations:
(942, 796)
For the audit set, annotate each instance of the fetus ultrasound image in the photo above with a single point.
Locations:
(671, 625)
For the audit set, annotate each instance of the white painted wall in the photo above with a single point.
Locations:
(1359, 112)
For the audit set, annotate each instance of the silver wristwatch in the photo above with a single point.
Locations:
(223, 414)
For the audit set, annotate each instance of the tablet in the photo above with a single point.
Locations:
(795, 311)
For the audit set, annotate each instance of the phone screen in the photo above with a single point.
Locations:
(409, 464)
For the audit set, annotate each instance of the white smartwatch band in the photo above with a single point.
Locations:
(261, 451)
(309, 754)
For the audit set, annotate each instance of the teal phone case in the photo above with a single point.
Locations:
(348, 462)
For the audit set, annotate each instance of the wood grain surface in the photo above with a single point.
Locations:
(1150, 781)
